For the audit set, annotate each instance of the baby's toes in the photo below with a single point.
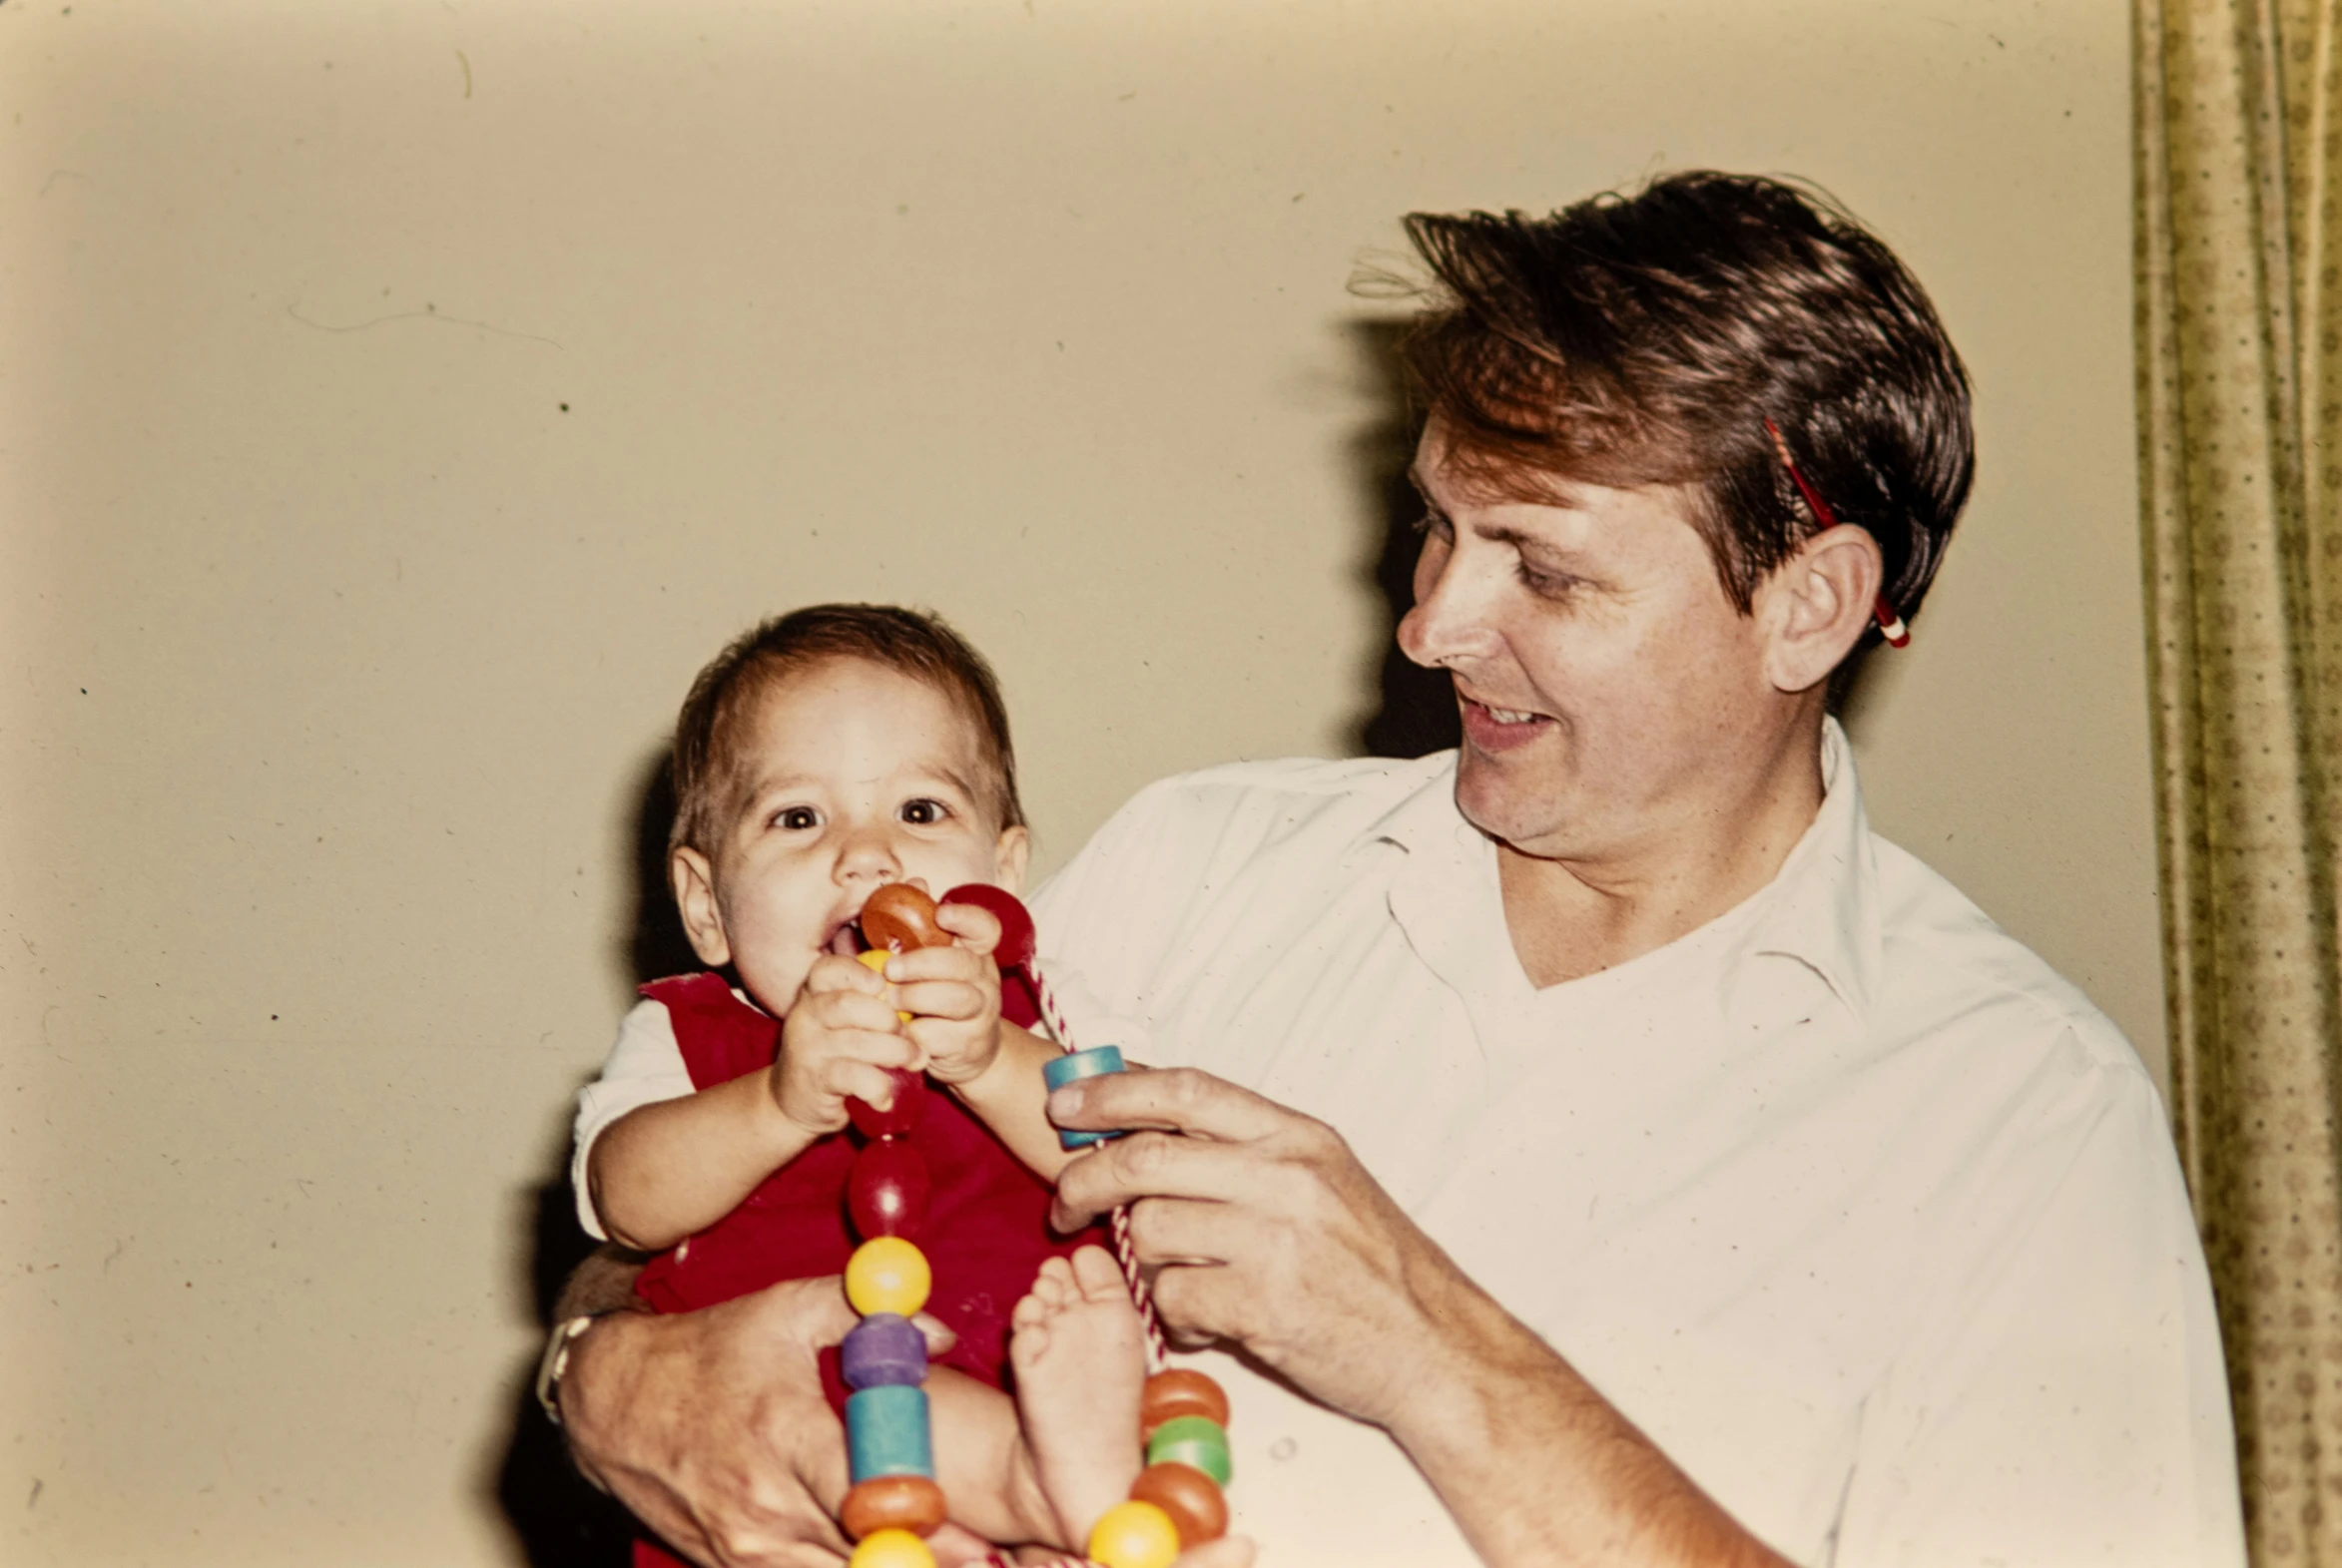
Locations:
(1094, 1274)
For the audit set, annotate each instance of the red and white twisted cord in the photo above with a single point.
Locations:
(1124, 1252)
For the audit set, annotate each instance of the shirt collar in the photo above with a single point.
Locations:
(1820, 911)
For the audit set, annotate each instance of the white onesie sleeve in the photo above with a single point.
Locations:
(644, 1067)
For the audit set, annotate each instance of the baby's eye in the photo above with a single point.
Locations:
(924, 812)
(798, 818)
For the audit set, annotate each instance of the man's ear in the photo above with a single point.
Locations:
(1010, 858)
(694, 881)
(1815, 606)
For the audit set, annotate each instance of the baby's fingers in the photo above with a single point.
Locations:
(831, 974)
(977, 928)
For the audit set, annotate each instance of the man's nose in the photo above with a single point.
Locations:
(1452, 617)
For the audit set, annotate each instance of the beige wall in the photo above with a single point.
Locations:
(336, 650)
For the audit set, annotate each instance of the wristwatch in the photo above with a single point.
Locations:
(555, 1360)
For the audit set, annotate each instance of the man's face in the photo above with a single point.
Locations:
(1611, 694)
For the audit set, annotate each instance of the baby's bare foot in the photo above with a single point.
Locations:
(1080, 1362)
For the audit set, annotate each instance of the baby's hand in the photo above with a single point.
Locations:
(836, 1043)
(954, 995)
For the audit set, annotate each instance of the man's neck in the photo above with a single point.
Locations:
(1575, 917)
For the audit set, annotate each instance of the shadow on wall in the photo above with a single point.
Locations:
(556, 1519)
(1414, 711)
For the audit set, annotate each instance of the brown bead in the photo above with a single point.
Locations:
(900, 917)
(1176, 1391)
(893, 1502)
(1193, 1500)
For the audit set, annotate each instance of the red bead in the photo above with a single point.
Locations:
(900, 916)
(1192, 1499)
(910, 1092)
(889, 1191)
(893, 1502)
(1016, 922)
(1176, 1391)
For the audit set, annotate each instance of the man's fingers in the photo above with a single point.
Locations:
(1152, 1165)
(1174, 1099)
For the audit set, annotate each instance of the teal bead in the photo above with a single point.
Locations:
(886, 1432)
(1193, 1439)
(1059, 1071)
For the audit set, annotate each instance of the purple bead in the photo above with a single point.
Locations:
(885, 1349)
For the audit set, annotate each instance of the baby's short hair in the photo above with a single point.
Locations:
(710, 730)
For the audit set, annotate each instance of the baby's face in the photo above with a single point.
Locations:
(859, 776)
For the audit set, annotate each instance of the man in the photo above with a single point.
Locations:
(1603, 1147)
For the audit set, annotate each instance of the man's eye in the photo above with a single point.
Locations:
(922, 812)
(798, 818)
(1547, 585)
(1433, 525)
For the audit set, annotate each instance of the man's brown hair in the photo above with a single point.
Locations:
(1645, 339)
(713, 728)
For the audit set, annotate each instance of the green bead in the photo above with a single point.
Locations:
(1196, 1440)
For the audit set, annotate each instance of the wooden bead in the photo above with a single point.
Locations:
(1197, 1506)
(1058, 1071)
(887, 1192)
(900, 1115)
(1177, 1392)
(1016, 922)
(887, 1274)
(893, 1502)
(1190, 1440)
(886, 1433)
(900, 916)
(882, 1350)
(891, 1549)
(1134, 1535)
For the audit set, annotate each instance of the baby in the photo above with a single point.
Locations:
(821, 756)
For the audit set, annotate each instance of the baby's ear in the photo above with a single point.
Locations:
(1010, 858)
(694, 881)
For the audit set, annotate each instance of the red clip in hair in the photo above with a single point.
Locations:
(1890, 624)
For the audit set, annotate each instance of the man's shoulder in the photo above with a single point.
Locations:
(1944, 959)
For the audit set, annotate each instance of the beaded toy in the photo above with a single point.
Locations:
(895, 1503)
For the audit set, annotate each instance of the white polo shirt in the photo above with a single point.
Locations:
(1866, 1217)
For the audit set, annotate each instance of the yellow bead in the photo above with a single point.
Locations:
(1134, 1535)
(891, 1549)
(887, 1274)
(875, 960)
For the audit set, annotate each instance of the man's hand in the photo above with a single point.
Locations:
(712, 1428)
(1263, 1229)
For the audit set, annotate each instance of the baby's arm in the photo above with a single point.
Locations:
(670, 1170)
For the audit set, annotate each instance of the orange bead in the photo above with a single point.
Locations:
(1176, 1391)
(893, 1502)
(1197, 1506)
(887, 1274)
(1134, 1535)
(900, 916)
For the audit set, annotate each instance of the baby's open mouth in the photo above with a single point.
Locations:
(845, 941)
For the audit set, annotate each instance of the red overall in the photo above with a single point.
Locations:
(985, 1236)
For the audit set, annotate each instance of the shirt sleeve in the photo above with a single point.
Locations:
(644, 1067)
(2064, 1400)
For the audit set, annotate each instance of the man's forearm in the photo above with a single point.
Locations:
(1539, 1468)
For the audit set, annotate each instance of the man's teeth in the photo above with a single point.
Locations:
(1508, 716)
